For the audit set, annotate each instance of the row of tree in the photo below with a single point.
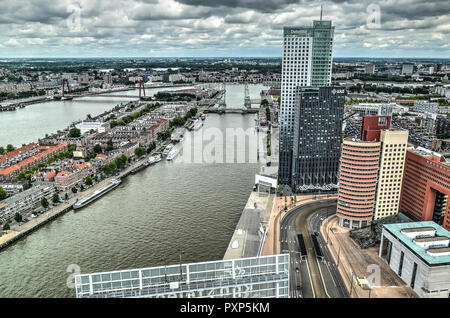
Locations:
(8, 148)
(118, 164)
(164, 135)
(386, 89)
(23, 94)
(128, 119)
(180, 121)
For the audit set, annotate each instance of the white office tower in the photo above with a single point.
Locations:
(307, 61)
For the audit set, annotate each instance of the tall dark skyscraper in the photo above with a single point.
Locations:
(307, 63)
(317, 138)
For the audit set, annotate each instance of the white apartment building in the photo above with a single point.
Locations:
(24, 201)
(87, 126)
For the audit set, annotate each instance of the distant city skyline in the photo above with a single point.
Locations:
(223, 28)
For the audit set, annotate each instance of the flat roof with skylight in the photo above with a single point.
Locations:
(428, 240)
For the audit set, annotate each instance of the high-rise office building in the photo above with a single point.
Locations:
(407, 68)
(390, 175)
(369, 69)
(426, 187)
(371, 172)
(317, 138)
(307, 61)
(357, 182)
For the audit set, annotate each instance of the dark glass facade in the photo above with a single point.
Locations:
(317, 138)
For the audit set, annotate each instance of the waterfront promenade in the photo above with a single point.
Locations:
(247, 237)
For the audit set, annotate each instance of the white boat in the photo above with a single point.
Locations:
(114, 183)
(198, 124)
(173, 154)
(167, 149)
(154, 159)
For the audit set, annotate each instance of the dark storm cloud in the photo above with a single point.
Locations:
(258, 5)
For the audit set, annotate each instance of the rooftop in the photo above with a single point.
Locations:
(396, 229)
(18, 151)
(21, 195)
(418, 229)
(426, 152)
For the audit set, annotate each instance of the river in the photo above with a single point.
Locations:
(147, 221)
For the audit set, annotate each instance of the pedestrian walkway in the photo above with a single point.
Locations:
(352, 261)
(247, 237)
(281, 207)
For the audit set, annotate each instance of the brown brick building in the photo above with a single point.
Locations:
(426, 187)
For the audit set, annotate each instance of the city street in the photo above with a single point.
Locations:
(334, 284)
(309, 272)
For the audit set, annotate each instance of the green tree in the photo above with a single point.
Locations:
(121, 161)
(74, 190)
(44, 203)
(66, 196)
(109, 145)
(74, 133)
(6, 226)
(88, 181)
(98, 148)
(2, 151)
(10, 148)
(81, 188)
(164, 135)
(151, 147)
(55, 198)
(139, 151)
(113, 123)
(18, 217)
(177, 121)
(3, 194)
(110, 167)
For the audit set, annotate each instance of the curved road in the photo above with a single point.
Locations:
(293, 223)
(333, 280)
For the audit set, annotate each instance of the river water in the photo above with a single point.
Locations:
(147, 221)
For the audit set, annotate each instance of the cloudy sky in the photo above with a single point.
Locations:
(153, 28)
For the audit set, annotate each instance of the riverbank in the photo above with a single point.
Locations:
(167, 208)
(14, 104)
(18, 232)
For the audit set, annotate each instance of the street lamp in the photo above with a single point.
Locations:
(339, 256)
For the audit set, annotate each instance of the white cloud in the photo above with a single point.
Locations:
(188, 27)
